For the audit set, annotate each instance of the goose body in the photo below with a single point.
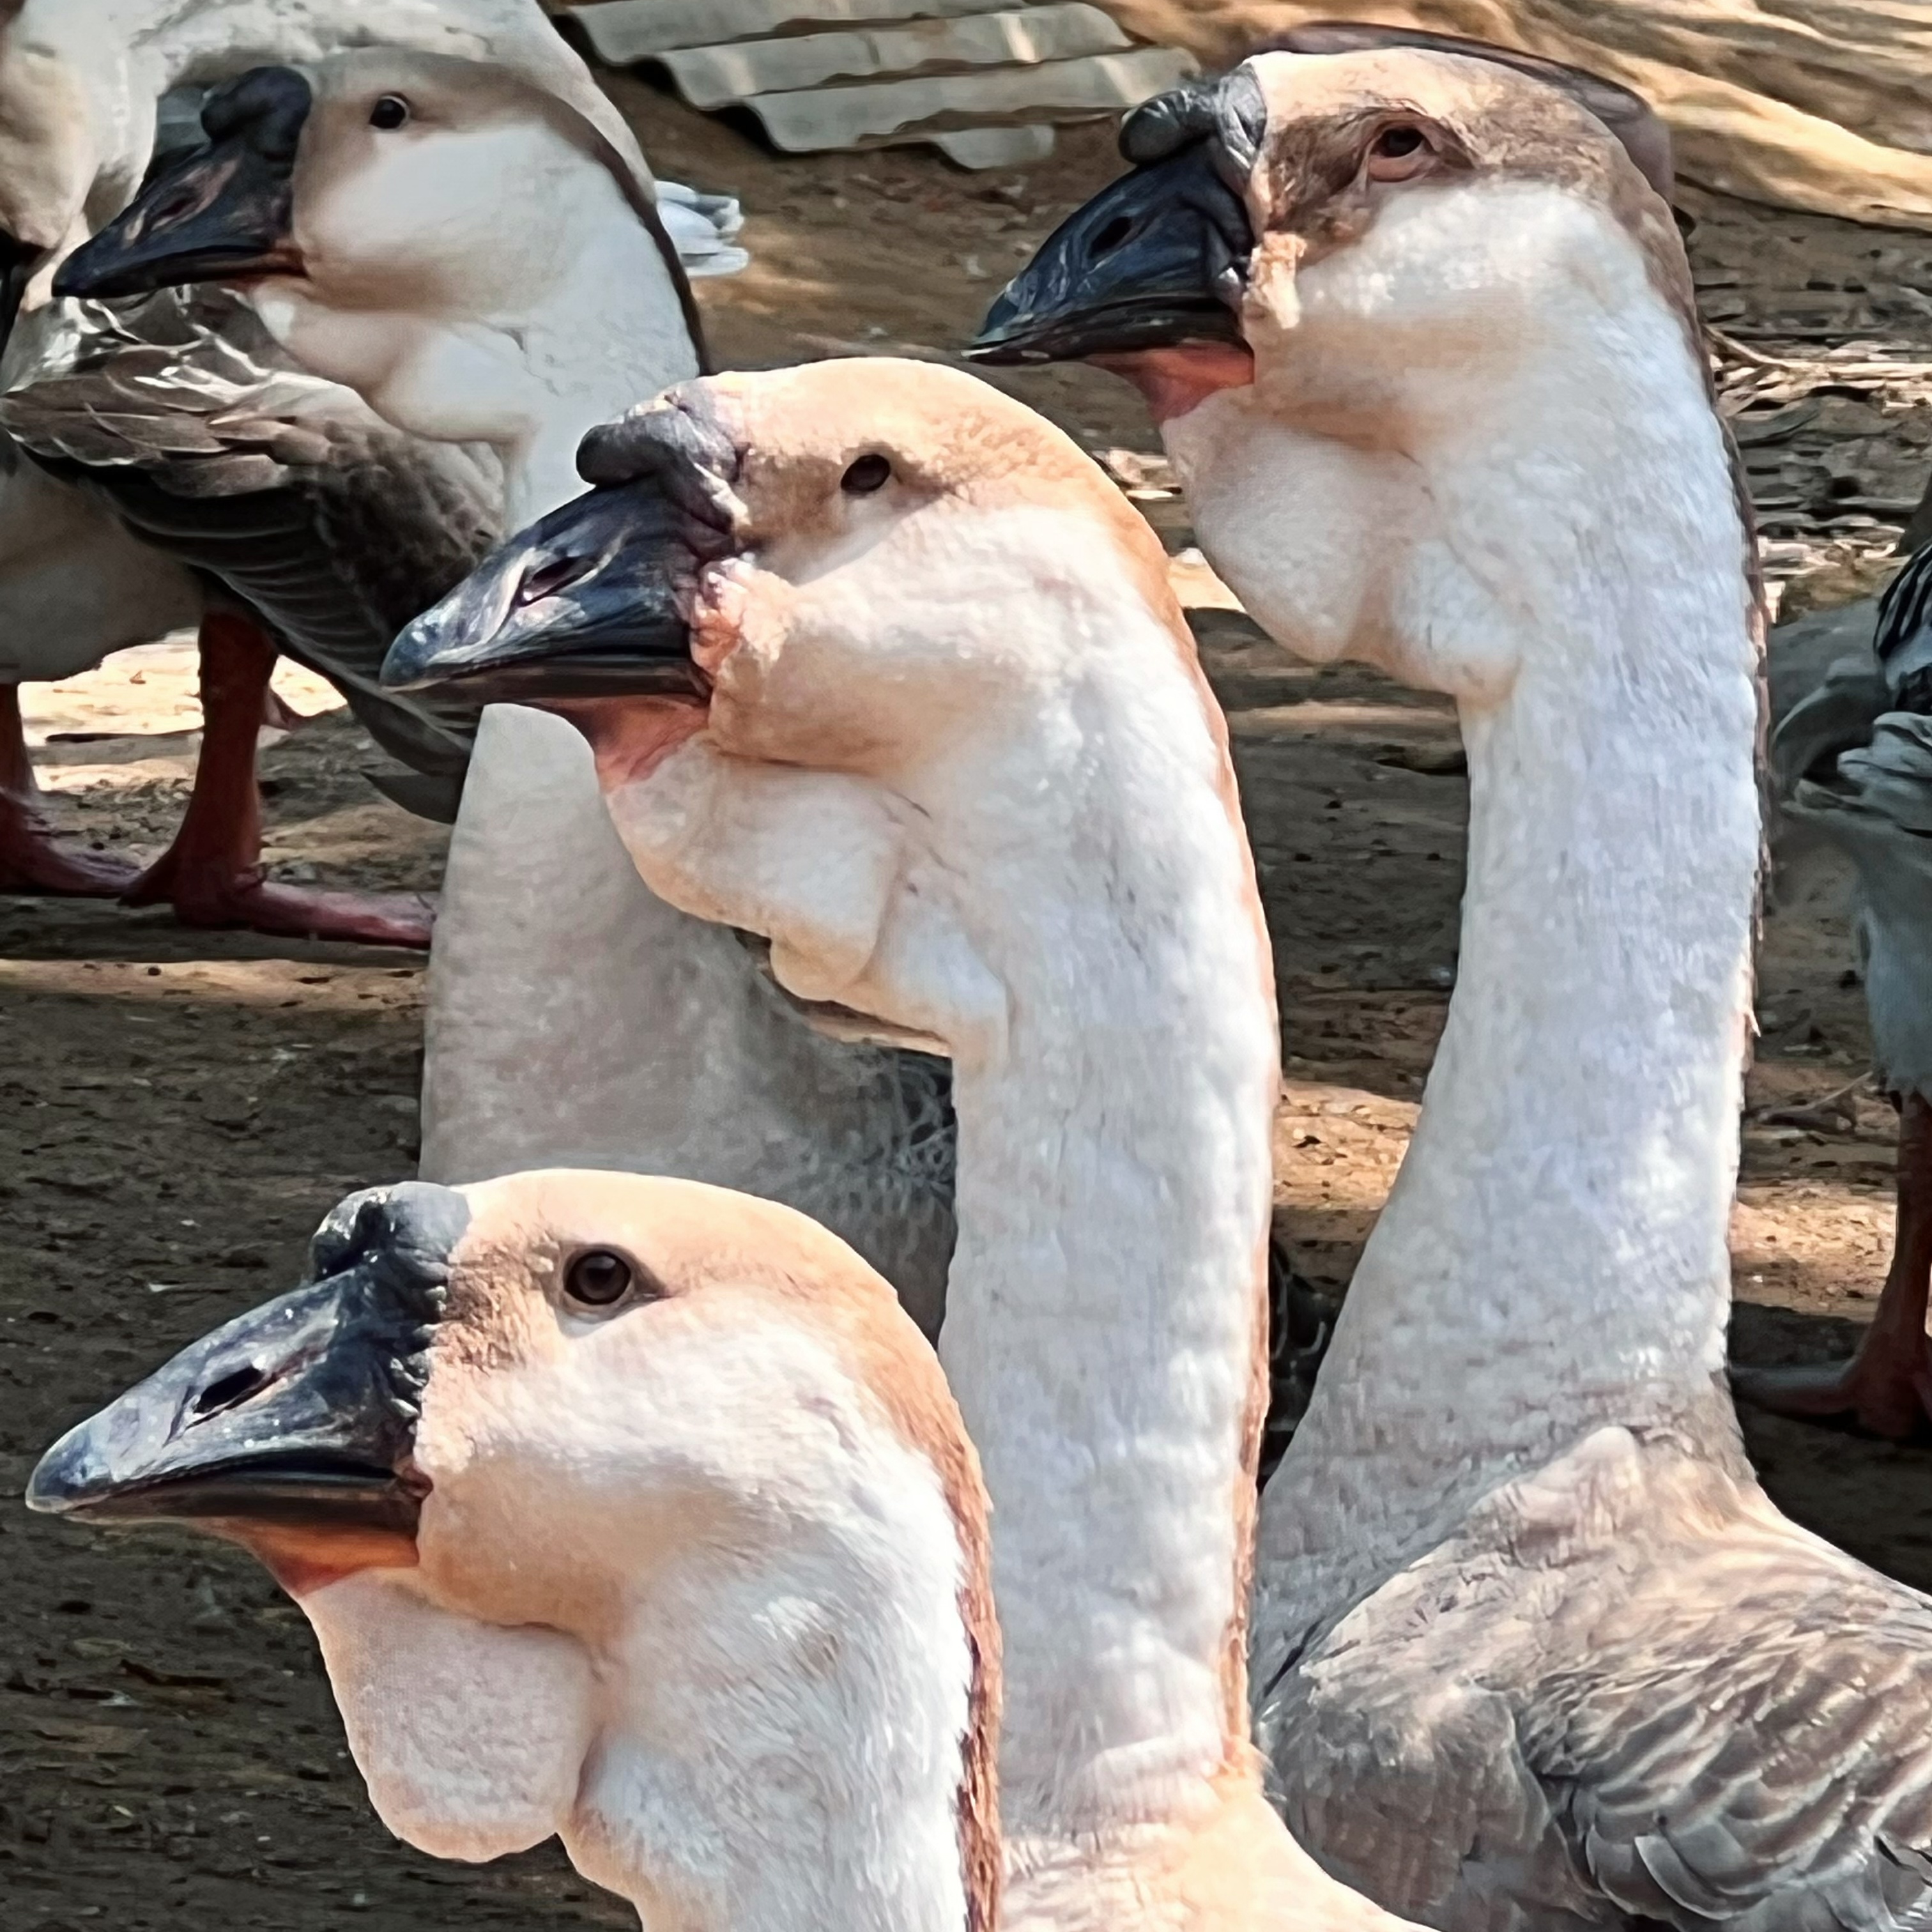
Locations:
(187, 420)
(921, 711)
(1853, 760)
(486, 270)
(626, 1509)
(1531, 1647)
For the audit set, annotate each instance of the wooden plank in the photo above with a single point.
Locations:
(621, 31)
(886, 111)
(715, 76)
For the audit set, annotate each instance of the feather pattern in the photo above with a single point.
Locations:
(182, 414)
(1652, 1691)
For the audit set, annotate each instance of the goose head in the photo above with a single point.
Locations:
(867, 565)
(81, 82)
(386, 209)
(1357, 287)
(608, 1497)
(1150, 277)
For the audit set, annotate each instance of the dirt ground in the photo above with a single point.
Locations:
(182, 1107)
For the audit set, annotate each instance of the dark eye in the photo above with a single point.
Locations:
(868, 474)
(598, 1279)
(1400, 152)
(391, 111)
(1111, 237)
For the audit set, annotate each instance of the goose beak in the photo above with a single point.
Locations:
(223, 214)
(583, 604)
(1157, 258)
(289, 1429)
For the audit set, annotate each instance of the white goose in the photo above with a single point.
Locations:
(955, 759)
(628, 1509)
(187, 420)
(474, 261)
(1517, 1587)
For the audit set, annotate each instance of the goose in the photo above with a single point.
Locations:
(474, 265)
(1853, 760)
(183, 422)
(876, 664)
(1531, 1646)
(626, 1509)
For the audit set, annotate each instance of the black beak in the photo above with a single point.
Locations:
(583, 604)
(298, 1419)
(223, 214)
(1158, 258)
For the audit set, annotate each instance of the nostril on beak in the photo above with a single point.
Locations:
(1111, 237)
(559, 573)
(230, 1390)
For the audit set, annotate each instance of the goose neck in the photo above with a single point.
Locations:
(788, 1745)
(1552, 1258)
(1104, 1326)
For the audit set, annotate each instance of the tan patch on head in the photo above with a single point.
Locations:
(947, 434)
(523, 1229)
(1486, 122)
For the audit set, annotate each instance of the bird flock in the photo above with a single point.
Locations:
(798, 1441)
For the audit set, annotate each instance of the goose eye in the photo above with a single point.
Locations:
(1398, 152)
(598, 1279)
(391, 111)
(868, 474)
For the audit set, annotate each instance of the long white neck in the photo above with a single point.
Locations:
(1104, 1307)
(1552, 1257)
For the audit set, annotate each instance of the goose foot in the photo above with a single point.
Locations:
(211, 874)
(1885, 1389)
(213, 895)
(31, 858)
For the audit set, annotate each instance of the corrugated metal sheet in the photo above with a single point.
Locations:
(984, 80)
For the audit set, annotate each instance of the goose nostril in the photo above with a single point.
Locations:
(547, 579)
(226, 1391)
(1111, 237)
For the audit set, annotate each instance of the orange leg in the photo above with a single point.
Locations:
(211, 874)
(31, 859)
(1886, 1387)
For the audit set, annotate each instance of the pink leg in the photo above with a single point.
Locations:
(211, 874)
(1886, 1387)
(31, 859)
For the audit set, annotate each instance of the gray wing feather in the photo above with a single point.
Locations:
(334, 526)
(1709, 1719)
